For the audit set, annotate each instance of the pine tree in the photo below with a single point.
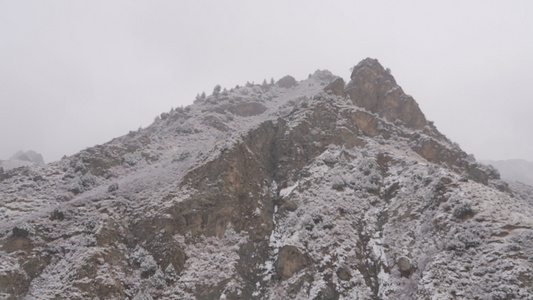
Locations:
(217, 89)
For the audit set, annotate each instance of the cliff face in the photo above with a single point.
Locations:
(307, 190)
(373, 88)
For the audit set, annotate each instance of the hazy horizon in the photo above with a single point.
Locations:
(77, 74)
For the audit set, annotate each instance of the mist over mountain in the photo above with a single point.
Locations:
(21, 158)
(514, 169)
(317, 189)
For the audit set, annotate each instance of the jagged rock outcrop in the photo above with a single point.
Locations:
(373, 87)
(336, 87)
(313, 190)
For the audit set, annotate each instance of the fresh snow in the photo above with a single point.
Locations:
(288, 190)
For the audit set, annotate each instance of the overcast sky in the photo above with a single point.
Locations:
(74, 74)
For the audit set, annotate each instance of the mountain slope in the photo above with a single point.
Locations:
(299, 190)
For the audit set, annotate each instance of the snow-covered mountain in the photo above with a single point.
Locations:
(296, 190)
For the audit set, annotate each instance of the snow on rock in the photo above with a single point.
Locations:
(288, 190)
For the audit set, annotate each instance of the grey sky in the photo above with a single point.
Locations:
(78, 73)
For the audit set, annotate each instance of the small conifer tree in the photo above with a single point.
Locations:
(217, 89)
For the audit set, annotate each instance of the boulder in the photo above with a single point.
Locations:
(290, 261)
(336, 87)
(404, 264)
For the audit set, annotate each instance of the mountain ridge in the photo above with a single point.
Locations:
(302, 190)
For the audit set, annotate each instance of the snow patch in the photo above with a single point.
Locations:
(288, 190)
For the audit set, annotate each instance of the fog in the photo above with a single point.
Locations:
(74, 74)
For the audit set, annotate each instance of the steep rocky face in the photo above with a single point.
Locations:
(373, 87)
(298, 190)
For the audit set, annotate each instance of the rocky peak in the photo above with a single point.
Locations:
(373, 88)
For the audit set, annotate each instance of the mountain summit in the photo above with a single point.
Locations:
(315, 189)
(372, 87)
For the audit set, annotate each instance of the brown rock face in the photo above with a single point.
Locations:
(336, 87)
(290, 261)
(373, 88)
